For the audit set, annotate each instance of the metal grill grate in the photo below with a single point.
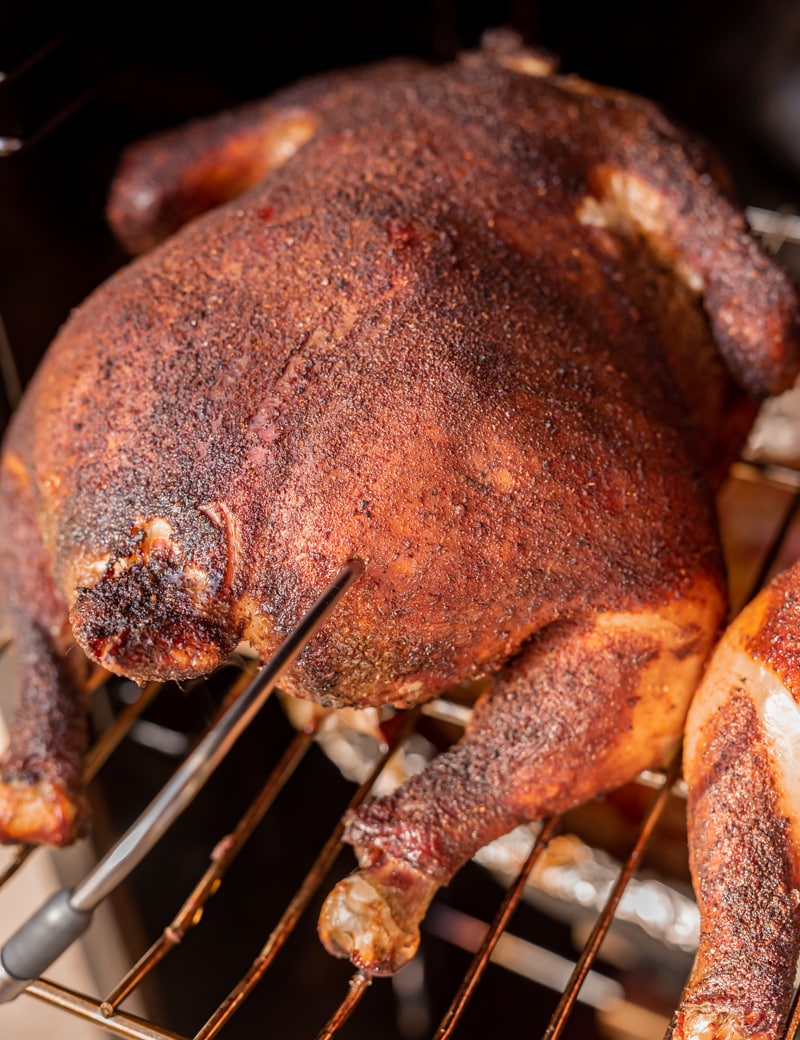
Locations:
(105, 1010)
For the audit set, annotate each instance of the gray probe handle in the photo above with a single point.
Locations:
(39, 942)
(46, 935)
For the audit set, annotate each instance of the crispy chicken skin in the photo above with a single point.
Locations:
(494, 331)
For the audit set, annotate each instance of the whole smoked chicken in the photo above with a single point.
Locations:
(496, 332)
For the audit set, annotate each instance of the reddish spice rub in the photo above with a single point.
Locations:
(774, 642)
(740, 765)
(744, 865)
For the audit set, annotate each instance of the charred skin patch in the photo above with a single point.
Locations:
(148, 622)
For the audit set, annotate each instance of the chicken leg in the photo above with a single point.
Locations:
(553, 730)
(741, 766)
(42, 795)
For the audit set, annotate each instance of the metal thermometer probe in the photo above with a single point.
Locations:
(67, 914)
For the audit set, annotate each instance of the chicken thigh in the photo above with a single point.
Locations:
(494, 331)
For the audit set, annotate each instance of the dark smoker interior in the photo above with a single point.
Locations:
(79, 82)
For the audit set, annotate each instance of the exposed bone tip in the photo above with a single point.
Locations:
(41, 813)
(708, 1024)
(357, 922)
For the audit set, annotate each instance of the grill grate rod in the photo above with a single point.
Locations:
(20, 857)
(125, 1025)
(603, 923)
(771, 555)
(116, 732)
(772, 474)
(359, 984)
(313, 879)
(503, 916)
(223, 854)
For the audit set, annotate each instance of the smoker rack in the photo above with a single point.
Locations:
(106, 1010)
(755, 474)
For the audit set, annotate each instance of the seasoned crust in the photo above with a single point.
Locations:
(405, 342)
(448, 373)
